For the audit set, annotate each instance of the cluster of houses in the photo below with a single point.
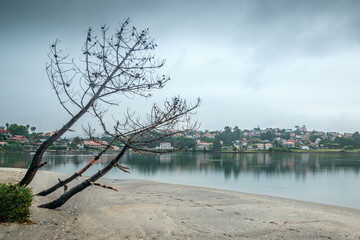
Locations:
(96, 144)
(299, 138)
(23, 140)
(17, 138)
(251, 139)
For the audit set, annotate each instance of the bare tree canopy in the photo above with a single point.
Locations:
(173, 118)
(119, 63)
(111, 63)
(162, 122)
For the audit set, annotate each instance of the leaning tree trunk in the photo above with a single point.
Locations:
(36, 162)
(86, 183)
(75, 175)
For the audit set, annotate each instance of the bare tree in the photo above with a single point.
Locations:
(173, 118)
(120, 63)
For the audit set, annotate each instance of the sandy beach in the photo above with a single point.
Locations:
(151, 210)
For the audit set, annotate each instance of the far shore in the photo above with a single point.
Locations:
(151, 210)
(354, 151)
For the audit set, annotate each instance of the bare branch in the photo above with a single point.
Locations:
(103, 186)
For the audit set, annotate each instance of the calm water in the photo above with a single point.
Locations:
(324, 178)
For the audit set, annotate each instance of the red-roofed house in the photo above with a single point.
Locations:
(203, 145)
(5, 133)
(260, 146)
(268, 146)
(209, 135)
(93, 144)
(19, 138)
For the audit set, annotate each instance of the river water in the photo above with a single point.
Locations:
(330, 178)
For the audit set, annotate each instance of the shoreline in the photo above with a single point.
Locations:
(329, 151)
(152, 210)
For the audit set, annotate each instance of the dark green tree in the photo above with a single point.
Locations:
(314, 137)
(183, 143)
(285, 135)
(76, 140)
(236, 133)
(18, 130)
(216, 145)
(356, 139)
(269, 135)
(344, 141)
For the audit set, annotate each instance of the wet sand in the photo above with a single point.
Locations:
(151, 210)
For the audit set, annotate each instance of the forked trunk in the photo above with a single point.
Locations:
(86, 183)
(75, 175)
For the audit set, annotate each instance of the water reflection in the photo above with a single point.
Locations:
(231, 165)
(299, 164)
(326, 178)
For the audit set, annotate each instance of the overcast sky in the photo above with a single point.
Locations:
(253, 63)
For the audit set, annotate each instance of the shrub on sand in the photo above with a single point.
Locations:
(15, 203)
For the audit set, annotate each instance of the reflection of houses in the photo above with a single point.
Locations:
(202, 145)
(19, 138)
(165, 158)
(5, 133)
(202, 159)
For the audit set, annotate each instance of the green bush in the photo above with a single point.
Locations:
(349, 147)
(15, 203)
(13, 146)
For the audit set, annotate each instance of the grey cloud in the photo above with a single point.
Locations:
(253, 61)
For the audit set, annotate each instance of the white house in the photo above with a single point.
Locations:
(165, 146)
(268, 146)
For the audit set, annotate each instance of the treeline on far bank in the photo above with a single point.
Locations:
(229, 139)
